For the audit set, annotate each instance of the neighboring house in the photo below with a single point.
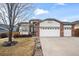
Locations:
(76, 28)
(4, 28)
(49, 28)
(24, 28)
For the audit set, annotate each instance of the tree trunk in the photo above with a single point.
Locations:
(10, 35)
(10, 21)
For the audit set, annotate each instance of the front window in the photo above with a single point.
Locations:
(23, 29)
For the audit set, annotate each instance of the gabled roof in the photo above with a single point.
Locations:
(35, 20)
(67, 23)
(51, 19)
(23, 23)
(76, 22)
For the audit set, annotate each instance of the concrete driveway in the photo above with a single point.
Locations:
(60, 46)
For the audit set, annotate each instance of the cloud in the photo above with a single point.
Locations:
(60, 4)
(33, 17)
(65, 20)
(39, 11)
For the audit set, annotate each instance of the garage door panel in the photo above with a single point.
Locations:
(67, 32)
(49, 33)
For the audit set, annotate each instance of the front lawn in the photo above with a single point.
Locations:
(24, 47)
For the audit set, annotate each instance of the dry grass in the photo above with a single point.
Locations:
(24, 47)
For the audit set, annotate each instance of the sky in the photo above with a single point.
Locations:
(61, 11)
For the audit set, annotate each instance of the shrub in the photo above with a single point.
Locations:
(23, 35)
(15, 33)
(3, 35)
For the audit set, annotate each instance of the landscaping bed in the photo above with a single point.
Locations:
(24, 47)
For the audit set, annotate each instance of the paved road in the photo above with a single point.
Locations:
(63, 46)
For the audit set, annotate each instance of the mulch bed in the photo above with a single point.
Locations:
(38, 49)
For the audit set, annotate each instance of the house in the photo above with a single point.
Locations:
(50, 27)
(24, 28)
(76, 28)
(4, 28)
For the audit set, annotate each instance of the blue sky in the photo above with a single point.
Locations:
(61, 11)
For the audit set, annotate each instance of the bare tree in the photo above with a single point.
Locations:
(13, 13)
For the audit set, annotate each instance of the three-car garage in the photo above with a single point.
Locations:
(51, 28)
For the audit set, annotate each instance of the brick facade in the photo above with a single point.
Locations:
(35, 24)
(73, 30)
(61, 30)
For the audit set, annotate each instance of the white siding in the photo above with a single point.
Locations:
(24, 29)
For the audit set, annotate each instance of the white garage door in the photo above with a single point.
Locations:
(67, 31)
(49, 31)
